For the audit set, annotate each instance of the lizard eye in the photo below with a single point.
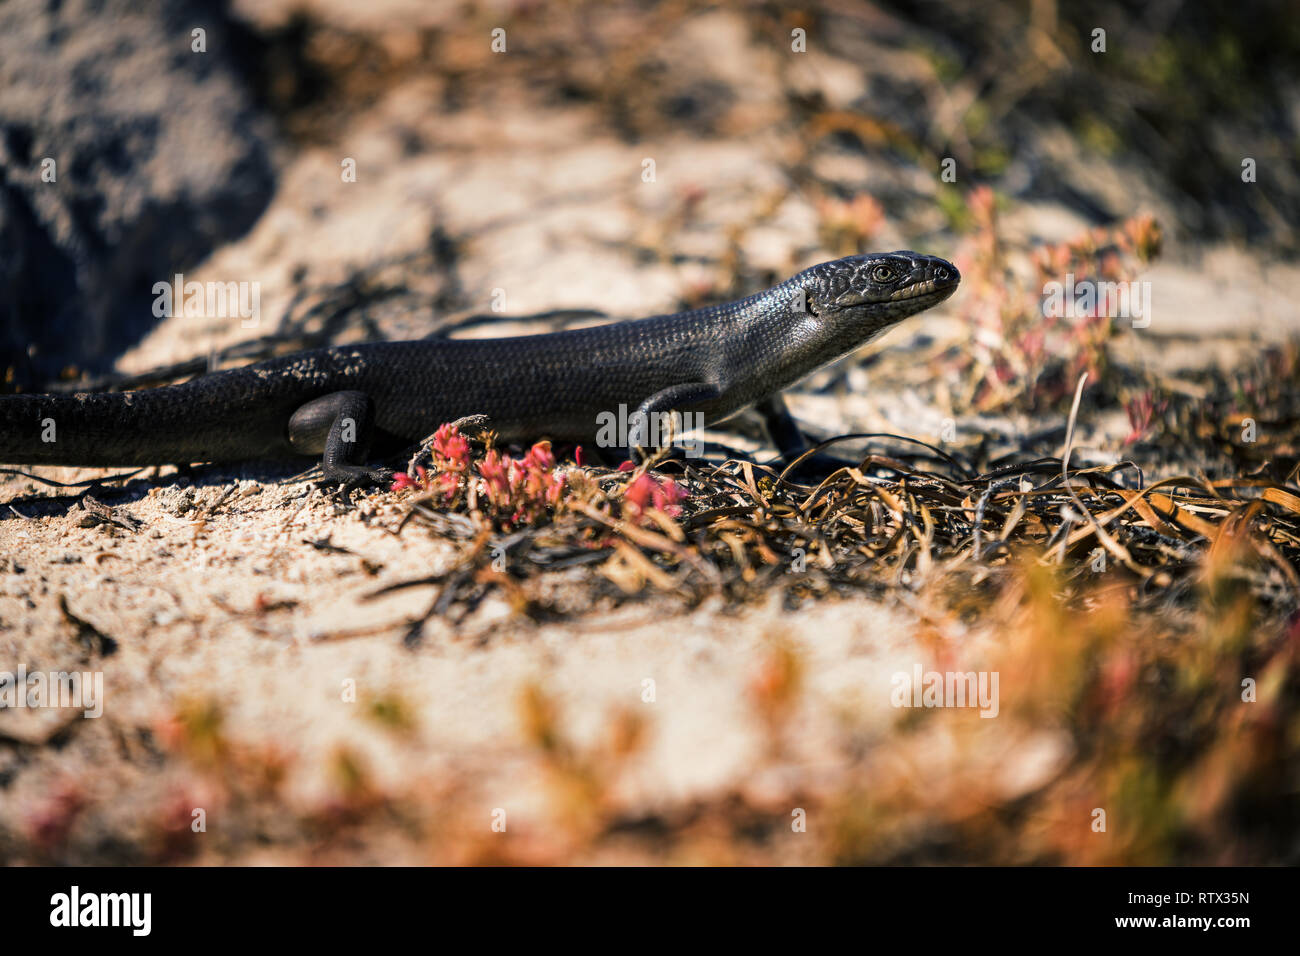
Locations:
(882, 273)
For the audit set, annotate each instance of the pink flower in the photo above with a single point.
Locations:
(668, 497)
(450, 448)
(648, 491)
(521, 489)
(637, 494)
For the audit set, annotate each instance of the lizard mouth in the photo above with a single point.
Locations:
(926, 287)
(935, 281)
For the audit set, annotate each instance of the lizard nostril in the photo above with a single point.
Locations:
(940, 272)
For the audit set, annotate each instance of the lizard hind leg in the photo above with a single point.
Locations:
(338, 427)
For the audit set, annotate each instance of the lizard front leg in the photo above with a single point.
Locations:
(674, 398)
(790, 441)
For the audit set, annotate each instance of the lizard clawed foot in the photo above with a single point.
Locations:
(349, 477)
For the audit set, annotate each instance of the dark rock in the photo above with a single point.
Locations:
(160, 156)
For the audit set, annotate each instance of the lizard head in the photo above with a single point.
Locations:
(883, 287)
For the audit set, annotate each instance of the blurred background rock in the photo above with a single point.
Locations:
(159, 155)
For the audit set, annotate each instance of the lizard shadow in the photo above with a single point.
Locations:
(137, 488)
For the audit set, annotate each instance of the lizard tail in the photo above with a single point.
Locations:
(174, 424)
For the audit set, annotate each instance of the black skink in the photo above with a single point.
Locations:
(345, 402)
